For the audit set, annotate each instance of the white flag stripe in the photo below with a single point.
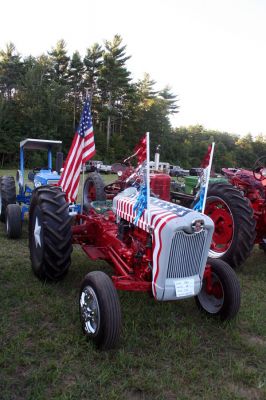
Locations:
(73, 153)
(88, 152)
(70, 176)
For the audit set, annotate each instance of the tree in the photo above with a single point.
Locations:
(93, 62)
(170, 100)
(59, 61)
(11, 71)
(76, 81)
(114, 81)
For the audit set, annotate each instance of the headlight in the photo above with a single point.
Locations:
(37, 184)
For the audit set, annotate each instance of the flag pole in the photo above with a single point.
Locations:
(148, 177)
(82, 166)
(208, 178)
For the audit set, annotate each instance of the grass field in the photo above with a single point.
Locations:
(167, 351)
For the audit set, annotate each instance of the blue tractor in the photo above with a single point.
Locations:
(14, 206)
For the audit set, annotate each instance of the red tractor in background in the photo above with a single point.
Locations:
(252, 184)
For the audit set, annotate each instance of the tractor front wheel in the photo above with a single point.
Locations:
(100, 311)
(220, 292)
(50, 237)
(7, 194)
(13, 221)
(234, 224)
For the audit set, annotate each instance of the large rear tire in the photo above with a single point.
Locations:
(13, 221)
(220, 293)
(100, 311)
(235, 226)
(50, 238)
(7, 194)
(93, 190)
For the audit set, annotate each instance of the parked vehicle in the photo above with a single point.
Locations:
(106, 169)
(175, 170)
(93, 165)
(234, 232)
(167, 258)
(162, 167)
(13, 206)
(252, 183)
(235, 225)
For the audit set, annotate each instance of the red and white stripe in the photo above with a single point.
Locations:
(159, 218)
(82, 149)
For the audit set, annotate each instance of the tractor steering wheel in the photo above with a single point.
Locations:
(37, 169)
(259, 169)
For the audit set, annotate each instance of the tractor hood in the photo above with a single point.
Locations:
(46, 177)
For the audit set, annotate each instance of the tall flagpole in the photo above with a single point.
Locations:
(148, 177)
(208, 178)
(82, 165)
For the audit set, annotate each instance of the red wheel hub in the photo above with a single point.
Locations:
(91, 192)
(212, 286)
(219, 212)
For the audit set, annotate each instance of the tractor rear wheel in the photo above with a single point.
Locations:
(93, 190)
(50, 237)
(7, 194)
(100, 311)
(220, 293)
(235, 227)
(13, 221)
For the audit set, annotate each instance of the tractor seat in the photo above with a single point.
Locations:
(31, 175)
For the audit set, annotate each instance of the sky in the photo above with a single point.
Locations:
(212, 53)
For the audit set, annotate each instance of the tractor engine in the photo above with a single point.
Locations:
(172, 249)
(138, 248)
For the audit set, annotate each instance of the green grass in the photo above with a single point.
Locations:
(167, 350)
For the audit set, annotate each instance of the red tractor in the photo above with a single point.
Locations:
(234, 223)
(252, 184)
(164, 253)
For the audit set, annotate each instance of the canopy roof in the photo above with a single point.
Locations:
(39, 144)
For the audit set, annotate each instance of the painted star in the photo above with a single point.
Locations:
(37, 233)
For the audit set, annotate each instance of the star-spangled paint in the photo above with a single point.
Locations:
(37, 233)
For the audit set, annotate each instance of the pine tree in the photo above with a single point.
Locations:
(93, 62)
(76, 81)
(114, 83)
(60, 61)
(11, 71)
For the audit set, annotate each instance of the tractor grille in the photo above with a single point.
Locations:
(185, 254)
(52, 181)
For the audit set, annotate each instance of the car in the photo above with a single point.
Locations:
(93, 165)
(106, 169)
(176, 170)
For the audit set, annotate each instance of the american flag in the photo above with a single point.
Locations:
(82, 149)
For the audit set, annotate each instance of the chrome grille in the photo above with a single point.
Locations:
(185, 254)
(52, 181)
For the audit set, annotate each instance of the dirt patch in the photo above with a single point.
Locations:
(135, 394)
(255, 340)
(246, 393)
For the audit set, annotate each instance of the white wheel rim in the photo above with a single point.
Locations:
(90, 311)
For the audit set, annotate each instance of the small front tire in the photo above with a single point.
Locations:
(100, 311)
(7, 194)
(13, 221)
(220, 292)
